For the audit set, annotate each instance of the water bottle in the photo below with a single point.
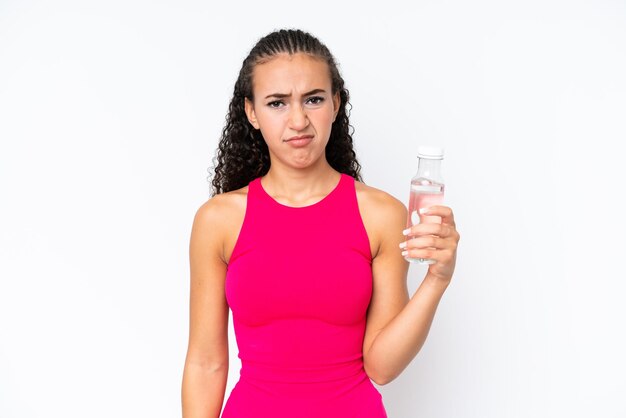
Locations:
(427, 188)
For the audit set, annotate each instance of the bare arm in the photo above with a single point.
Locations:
(398, 343)
(206, 364)
(397, 327)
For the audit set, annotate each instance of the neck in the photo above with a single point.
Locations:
(300, 185)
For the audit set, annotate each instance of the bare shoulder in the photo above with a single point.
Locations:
(377, 200)
(222, 204)
(380, 211)
(220, 217)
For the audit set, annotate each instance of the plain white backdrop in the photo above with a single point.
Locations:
(110, 113)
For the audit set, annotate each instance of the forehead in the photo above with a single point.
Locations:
(286, 73)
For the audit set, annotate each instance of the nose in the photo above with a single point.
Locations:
(298, 119)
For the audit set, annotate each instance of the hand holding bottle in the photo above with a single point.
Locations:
(434, 241)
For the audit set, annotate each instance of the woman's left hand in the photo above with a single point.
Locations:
(436, 241)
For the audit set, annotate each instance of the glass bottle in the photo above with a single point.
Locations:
(427, 189)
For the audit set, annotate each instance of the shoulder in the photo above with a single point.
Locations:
(378, 202)
(218, 216)
(222, 205)
(381, 212)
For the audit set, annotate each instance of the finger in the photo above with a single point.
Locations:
(421, 253)
(442, 230)
(428, 241)
(445, 212)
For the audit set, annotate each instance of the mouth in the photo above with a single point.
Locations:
(297, 138)
(299, 141)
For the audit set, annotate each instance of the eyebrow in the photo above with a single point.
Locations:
(281, 95)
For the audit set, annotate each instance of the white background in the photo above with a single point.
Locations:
(110, 114)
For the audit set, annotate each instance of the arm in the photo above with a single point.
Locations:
(397, 327)
(206, 364)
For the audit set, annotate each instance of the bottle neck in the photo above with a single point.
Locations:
(430, 169)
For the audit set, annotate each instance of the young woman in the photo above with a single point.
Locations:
(308, 258)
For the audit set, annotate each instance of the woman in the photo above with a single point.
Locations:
(308, 258)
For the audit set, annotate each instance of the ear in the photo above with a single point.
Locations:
(249, 108)
(336, 103)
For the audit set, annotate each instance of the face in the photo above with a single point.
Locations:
(293, 98)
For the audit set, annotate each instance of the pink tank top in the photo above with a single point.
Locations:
(299, 283)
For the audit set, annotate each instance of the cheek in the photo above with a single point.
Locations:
(325, 118)
(270, 122)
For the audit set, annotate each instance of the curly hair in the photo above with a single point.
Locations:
(242, 153)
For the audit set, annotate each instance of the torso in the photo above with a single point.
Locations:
(234, 204)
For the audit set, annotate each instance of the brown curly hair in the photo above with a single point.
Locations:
(242, 153)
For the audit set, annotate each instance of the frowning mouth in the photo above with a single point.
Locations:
(295, 138)
(299, 141)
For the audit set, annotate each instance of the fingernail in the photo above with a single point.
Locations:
(404, 253)
(406, 231)
(415, 218)
(402, 244)
(423, 210)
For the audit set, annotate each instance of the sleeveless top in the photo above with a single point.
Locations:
(299, 282)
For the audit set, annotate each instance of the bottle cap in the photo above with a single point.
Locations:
(431, 153)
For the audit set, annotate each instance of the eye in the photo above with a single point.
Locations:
(275, 104)
(316, 99)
